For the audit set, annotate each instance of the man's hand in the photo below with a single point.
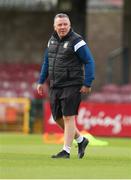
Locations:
(40, 89)
(85, 90)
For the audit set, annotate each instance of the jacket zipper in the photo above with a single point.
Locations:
(54, 63)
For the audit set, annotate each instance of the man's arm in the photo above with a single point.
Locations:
(44, 68)
(89, 65)
(85, 56)
(43, 74)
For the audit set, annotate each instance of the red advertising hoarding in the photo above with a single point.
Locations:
(100, 119)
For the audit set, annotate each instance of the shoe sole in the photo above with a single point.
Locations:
(80, 156)
(60, 157)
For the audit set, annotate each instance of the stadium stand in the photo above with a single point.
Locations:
(19, 80)
(126, 89)
(112, 93)
(110, 88)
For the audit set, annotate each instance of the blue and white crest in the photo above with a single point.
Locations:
(52, 42)
(65, 44)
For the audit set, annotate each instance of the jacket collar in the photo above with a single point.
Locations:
(55, 35)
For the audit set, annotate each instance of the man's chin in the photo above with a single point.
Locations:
(63, 34)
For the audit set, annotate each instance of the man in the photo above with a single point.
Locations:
(70, 67)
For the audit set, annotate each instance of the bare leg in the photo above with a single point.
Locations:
(60, 123)
(69, 130)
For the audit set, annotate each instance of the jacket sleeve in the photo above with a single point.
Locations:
(85, 56)
(44, 68)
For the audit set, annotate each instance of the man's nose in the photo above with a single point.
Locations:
(63, 26)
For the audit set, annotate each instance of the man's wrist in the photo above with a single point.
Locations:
(89, 86)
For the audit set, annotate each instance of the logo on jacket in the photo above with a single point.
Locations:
(65, 44)
(52, 42)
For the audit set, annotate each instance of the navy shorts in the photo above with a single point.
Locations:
(65, 101)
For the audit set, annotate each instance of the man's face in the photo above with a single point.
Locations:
(62, 26)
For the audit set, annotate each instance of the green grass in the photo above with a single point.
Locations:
(27, 157)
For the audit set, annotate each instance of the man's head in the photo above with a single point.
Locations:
(62, 24)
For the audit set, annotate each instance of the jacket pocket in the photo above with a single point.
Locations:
(75, 75)
(61, 76)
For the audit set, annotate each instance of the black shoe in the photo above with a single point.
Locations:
(62, 154)
(81, 148)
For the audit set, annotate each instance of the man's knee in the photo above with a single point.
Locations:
(68, 118)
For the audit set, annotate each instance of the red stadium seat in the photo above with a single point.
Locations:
(111, 88)
(17, 80)
(97, 97)
(125, 89)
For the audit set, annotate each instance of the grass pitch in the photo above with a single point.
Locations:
(27, 157)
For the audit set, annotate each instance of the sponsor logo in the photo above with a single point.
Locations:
(88, 120)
